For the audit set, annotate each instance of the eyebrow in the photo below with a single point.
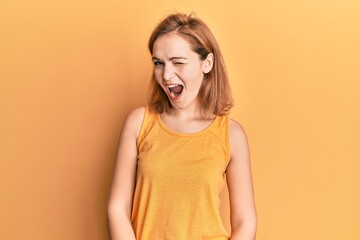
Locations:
(172, 58)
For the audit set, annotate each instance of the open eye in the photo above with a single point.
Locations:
(157, 63)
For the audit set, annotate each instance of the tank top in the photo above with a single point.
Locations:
(178, 181)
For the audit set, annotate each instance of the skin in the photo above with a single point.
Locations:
(176, 63)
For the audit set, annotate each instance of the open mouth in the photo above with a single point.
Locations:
(175, 90)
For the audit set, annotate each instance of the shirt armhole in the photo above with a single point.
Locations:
(227, 142)
(142, 129)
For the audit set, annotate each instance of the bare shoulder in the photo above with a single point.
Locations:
(134, 121)
(238, 138)
(236, 129)
(136, 115)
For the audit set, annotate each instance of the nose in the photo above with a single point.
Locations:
(169, 72)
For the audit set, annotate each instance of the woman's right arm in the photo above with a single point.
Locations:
(123, 184)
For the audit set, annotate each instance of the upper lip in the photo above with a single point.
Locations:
(171, 84)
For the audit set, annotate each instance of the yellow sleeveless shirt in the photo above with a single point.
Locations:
(179, 179)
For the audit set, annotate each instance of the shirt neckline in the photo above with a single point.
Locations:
(166, 129)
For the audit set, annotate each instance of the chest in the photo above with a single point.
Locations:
(190, 160)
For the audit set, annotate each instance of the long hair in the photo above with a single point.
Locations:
(214, 94)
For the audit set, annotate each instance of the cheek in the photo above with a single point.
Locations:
(195, 76)
(195, 71)
(157, 76)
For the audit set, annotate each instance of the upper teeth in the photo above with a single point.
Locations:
(172, 86)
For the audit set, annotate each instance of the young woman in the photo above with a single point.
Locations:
(174, 154)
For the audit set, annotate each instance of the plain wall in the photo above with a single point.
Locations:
(70, 71)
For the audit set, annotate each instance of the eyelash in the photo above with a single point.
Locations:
(157, 63)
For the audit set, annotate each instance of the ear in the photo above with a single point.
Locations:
(208, 63)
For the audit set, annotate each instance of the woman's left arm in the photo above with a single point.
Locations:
(241, 193)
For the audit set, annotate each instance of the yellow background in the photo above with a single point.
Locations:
(70, 71)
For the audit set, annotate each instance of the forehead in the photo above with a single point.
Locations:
(172, 45)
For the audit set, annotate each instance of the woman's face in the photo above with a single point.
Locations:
(179, 70)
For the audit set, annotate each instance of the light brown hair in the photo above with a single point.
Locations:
(214, 94)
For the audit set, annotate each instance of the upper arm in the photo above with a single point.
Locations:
(239, 177)
(123, 184)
